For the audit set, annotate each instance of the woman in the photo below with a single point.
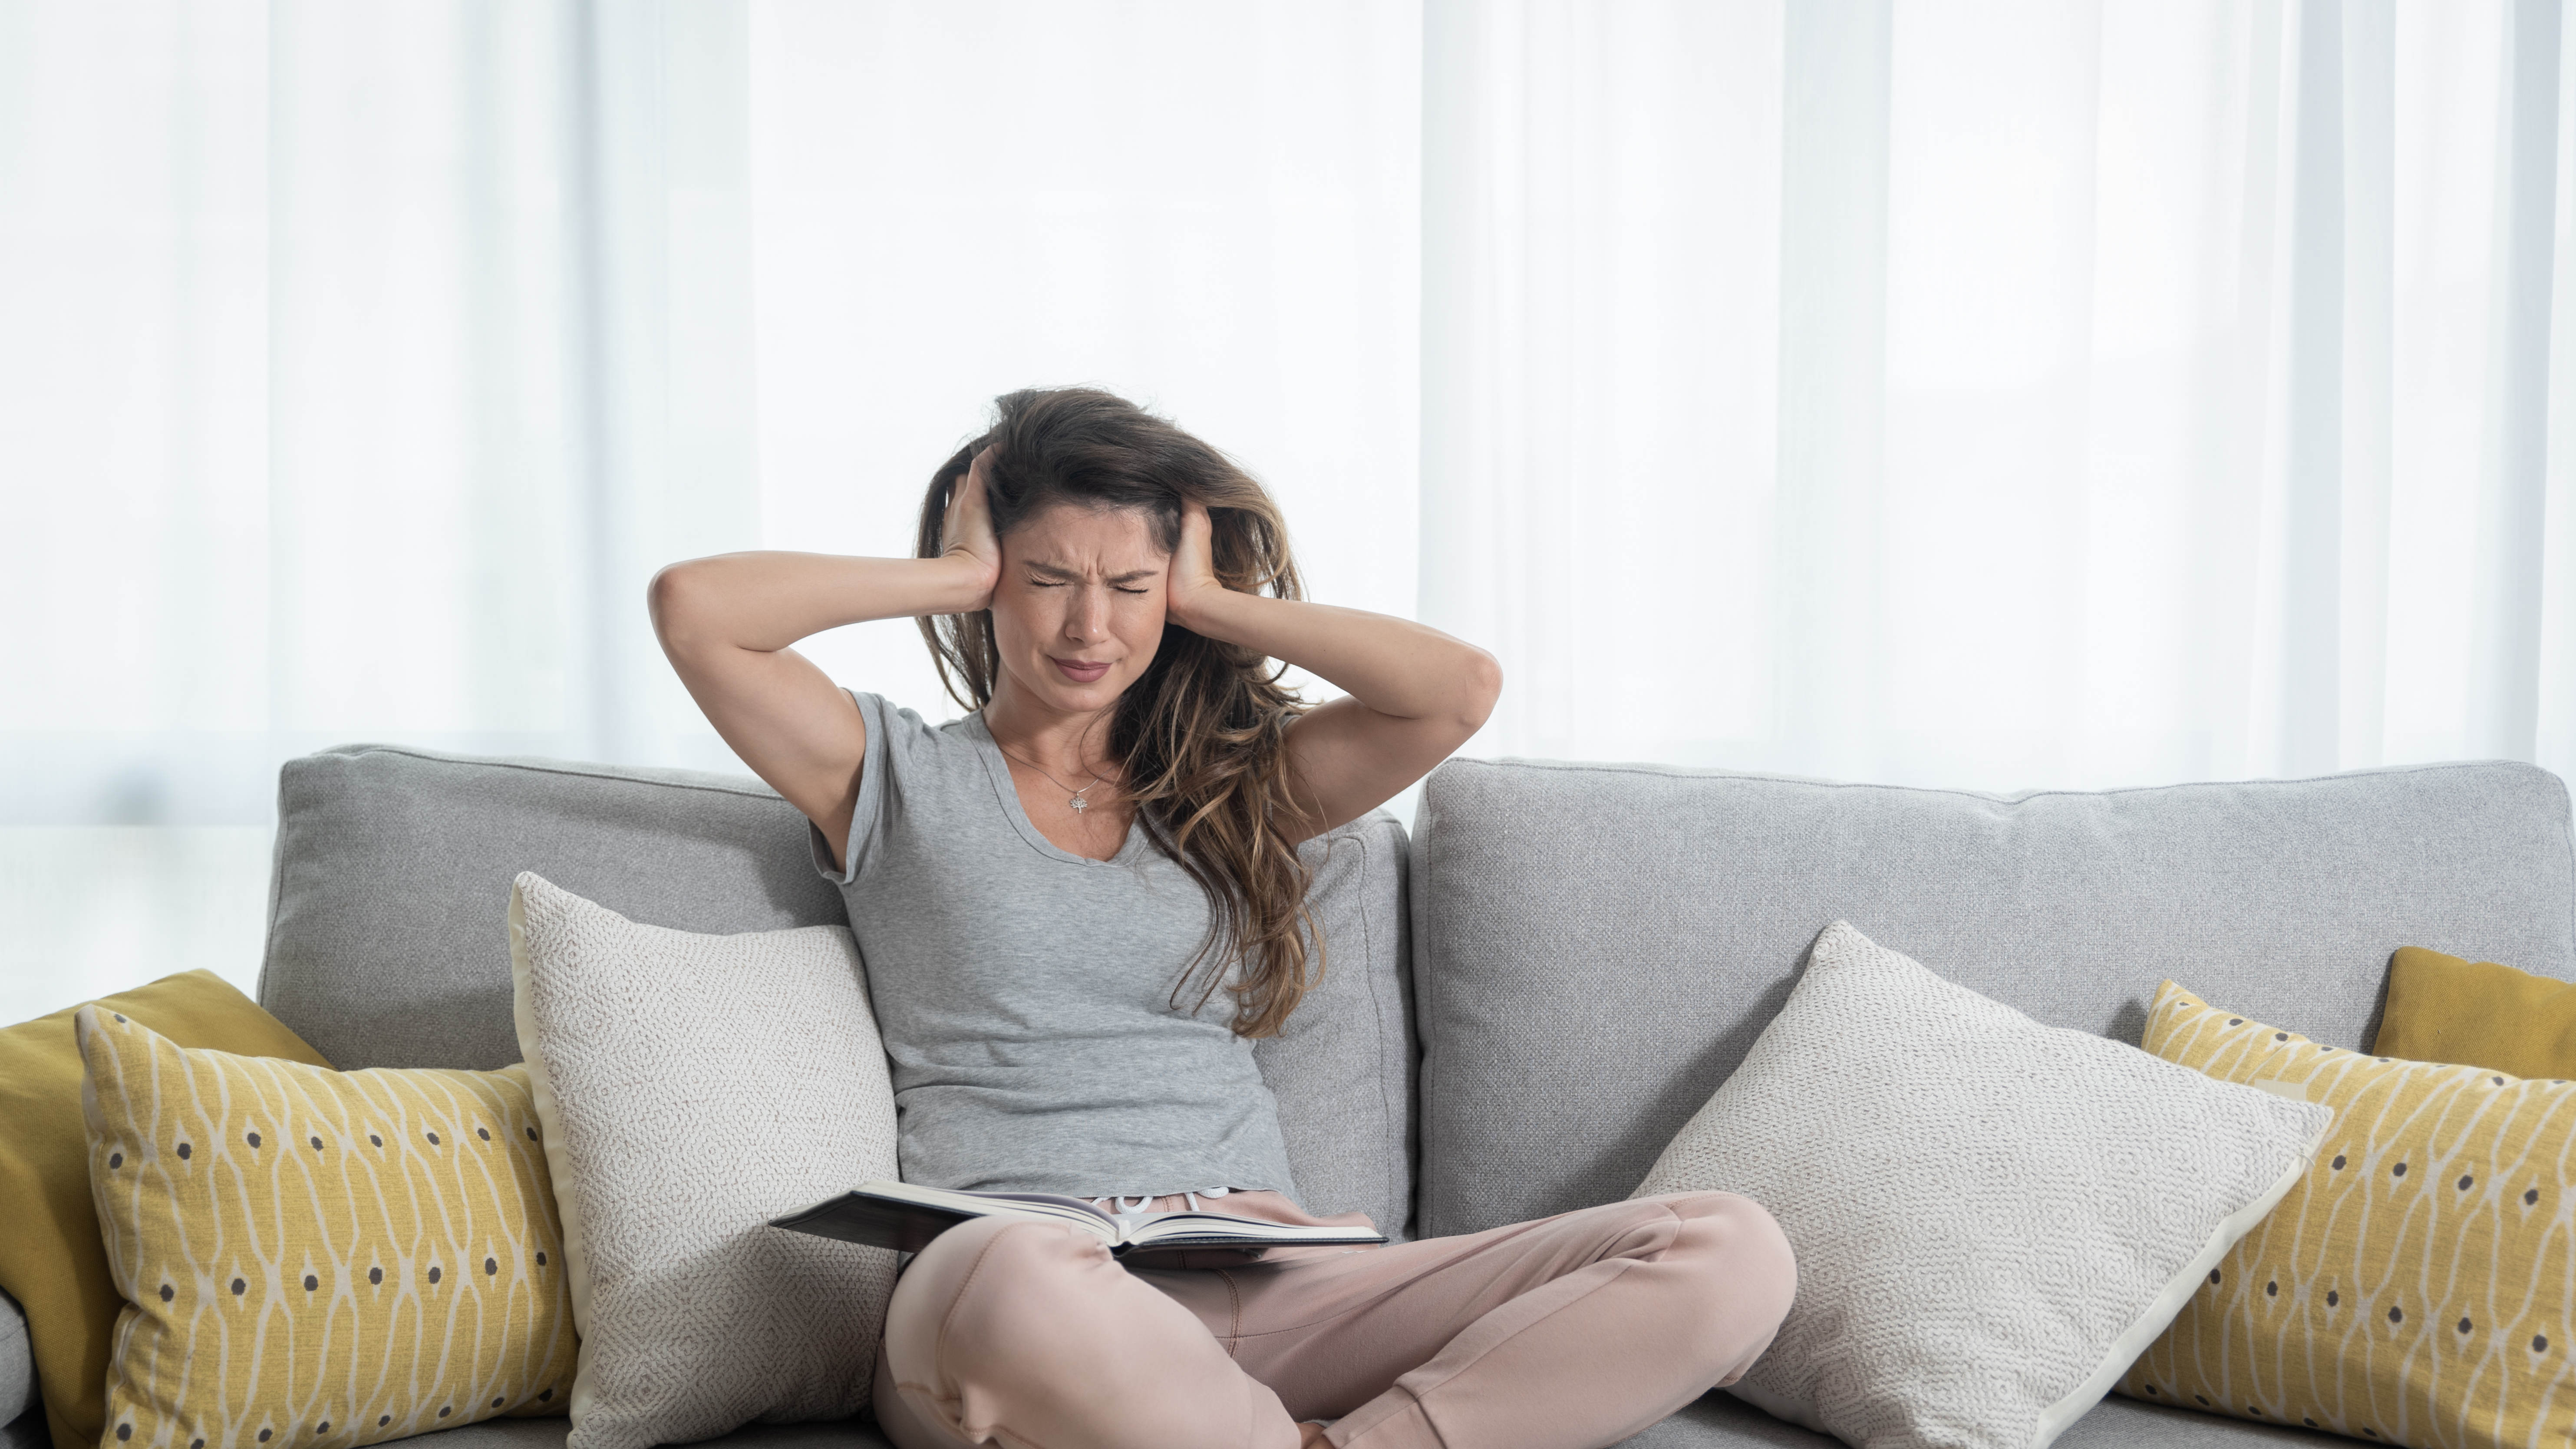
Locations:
(1081, 902)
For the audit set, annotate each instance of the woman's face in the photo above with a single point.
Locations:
(1078, 609)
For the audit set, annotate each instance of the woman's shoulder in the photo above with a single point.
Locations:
(908, 740)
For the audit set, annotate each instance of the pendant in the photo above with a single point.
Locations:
(1079, 804)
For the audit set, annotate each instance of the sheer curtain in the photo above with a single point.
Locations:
(1997, 395)
(366, 359)
(2004, 395)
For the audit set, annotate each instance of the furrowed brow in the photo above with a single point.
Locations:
(1059, 571)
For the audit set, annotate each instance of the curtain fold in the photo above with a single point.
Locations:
(2011, 394)
(2152, 391)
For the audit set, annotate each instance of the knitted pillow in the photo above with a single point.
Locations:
(693, 1087)
(1991, 1216)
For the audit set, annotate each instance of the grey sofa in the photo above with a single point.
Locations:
(1525, 1000)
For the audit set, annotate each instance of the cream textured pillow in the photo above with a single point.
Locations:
(692, 1088)
(1992, 1217)
(315, 1259)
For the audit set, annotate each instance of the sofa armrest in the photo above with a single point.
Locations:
(17, 1380)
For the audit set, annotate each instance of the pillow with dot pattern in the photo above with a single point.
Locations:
(2419, 1285)
(315, 1259)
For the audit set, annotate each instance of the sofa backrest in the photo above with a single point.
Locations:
(386, 942)
(1596, 946)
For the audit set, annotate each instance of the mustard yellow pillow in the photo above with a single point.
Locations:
(2418, 1286)
(314, 1258)
(50, 1259)
(2479, 1014)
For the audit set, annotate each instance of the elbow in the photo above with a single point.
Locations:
(671, 600)
(1478, 692)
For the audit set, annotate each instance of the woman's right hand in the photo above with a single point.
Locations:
(966, 533)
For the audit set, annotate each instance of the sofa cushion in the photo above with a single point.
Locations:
(1598, 945)
(1715, 1422)
(17, 1362)
(386, 944)
(1718, 1421)
(858, 1433)
(27, 1431)
(1342, 1068)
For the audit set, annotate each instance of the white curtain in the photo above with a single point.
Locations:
(2005, 394)
(361, 361)
(1997, 395)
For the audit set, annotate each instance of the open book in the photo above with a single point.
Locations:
(904, 1217)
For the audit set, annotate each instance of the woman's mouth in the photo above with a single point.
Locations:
(1080, 671)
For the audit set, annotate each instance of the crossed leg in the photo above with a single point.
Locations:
(1571, 1331)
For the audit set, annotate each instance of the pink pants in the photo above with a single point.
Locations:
(1573, 1331)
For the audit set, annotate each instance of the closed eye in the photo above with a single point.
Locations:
(1060, 583)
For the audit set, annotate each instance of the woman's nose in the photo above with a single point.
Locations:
(1088, 619)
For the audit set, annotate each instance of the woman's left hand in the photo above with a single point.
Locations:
(1192, 574)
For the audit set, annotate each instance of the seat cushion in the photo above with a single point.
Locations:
(858, 1433)
(1719, 1421)
(1598, 945)
(387, 947)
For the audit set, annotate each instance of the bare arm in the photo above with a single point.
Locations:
(1412, 694)
(725, 623)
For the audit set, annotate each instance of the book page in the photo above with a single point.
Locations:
(1206, 1224)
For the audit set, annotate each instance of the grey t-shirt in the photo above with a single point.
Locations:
(1025, 992)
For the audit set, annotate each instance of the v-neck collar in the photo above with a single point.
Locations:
(998, 767)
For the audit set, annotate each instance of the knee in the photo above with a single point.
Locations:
(1738, 1264)
(982, 1288)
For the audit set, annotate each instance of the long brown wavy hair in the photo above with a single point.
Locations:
(1201, 733)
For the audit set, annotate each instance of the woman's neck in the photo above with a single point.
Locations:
(1073, 745)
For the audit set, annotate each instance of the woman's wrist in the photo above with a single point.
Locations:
(1206, 610)
(959, 583)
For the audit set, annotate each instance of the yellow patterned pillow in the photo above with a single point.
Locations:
(314, 1258)
(2418, 1286)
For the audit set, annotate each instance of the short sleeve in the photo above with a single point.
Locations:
(869, 812)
